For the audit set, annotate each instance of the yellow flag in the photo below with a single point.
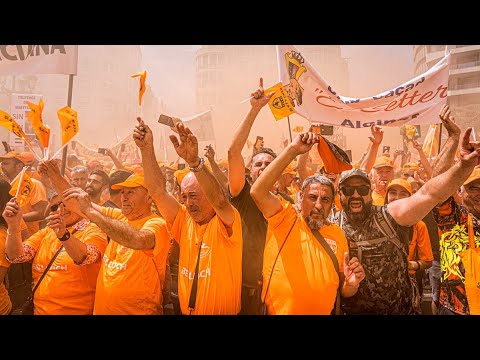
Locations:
(410, 131)
(298, 129)
(279, 103)
(143, 76)
(35, 118)
(11, 125)
(430, 144)
(25, 188)
(69, 123)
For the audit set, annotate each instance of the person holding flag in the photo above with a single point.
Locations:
(33, 208)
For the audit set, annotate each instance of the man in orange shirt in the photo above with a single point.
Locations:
(382, 175)
(207, 228)
(132, 273)
(299, 274)
(34, 210)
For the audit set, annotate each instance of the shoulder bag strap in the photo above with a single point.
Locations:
(49, 265)
(264, 308)
(330, 252)
(193, 292)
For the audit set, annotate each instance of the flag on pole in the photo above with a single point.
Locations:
(11, 125)
(430, 144)
(35, 118)
(68, 122)
(334, 158)
(280, 103)
(298, 129)
(141, 91)
(410, 131)
(22, 187)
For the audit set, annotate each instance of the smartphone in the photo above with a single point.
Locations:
(6, 146)
(258, 143)
(326, 129)
(316, 129)
(386, 149)
(122, 147)
(181, 166)
(102, 151)
(166, 120)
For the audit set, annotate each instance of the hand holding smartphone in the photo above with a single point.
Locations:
(258, 143)
(102, 151)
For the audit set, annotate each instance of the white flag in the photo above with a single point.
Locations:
(417, 101)
(38, 59)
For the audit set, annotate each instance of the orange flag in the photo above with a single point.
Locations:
(431, 141)
(11, 125)
(25, 190)
(334, 158)
(35, 118)
(279, 103)
(69, 123)
(298, 129)
(143, 76)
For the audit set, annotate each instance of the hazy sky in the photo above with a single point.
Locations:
(372, 69)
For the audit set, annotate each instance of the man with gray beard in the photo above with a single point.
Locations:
(306, 257)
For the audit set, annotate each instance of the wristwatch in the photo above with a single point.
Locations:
(65, 237)
(198, 167)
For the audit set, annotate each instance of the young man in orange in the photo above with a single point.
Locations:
(298, 274)
(132, 272)
(208, 228)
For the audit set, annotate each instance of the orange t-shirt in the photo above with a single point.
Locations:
(131, 281)
(5, 303)
(67, 288)
(304, 280)
(377, 199)
(338, 204)
(420, 247)
(37, 194)
(220, 268)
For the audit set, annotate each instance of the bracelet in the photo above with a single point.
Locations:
(198, 167)
(65, 237)
(16, 232)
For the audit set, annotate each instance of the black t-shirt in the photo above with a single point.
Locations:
(432, 228)
(254, 232)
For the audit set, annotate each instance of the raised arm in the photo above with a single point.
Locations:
(125, 234)
(410, 210)
(219, 175)
(13, 216)
(154, 180)
(423, 159)
(236, 165)
(187, 149)
(115, 159)
(446, 156)
(376, 139)
(268, 203)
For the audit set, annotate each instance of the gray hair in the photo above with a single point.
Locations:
(79, 169)
(318, 179)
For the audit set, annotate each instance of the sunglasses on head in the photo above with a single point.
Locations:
(54, 207)
(362, 190)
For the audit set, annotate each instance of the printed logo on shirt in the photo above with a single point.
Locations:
(205, 251)
(333, 245)
(190, 275)
(38, 267)
(113, 264)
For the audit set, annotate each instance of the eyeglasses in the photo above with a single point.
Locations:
(362, 190)
(54, 207)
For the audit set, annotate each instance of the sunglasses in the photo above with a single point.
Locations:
(54, 207)
(362, 190)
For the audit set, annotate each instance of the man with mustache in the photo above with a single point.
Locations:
(299, 276)
(382, 174)
(378, 235)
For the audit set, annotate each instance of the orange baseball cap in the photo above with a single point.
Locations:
(401, 182)
(411, 166)
(134, 180)
(25, 157)
(475, 175)
(289, 170)
(180, 174)
(382, 161)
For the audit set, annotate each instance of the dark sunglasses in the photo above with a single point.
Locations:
(362, 190)
(54, 207)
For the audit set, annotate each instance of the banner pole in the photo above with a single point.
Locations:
(289, 131)
(69, 103)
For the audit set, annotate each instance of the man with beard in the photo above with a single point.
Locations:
(299, 274)
(98, 181)
(378, 235)
(79, 176)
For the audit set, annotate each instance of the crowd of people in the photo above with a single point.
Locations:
(267, 234)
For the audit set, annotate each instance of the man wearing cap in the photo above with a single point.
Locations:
(452, 219)
(207, 228)
(34, 210)
(299, 274)
(132, 273)
(115, 200)
(382, 175)
(377, 235)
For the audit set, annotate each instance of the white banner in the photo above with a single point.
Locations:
(417, 101)
(38, 59)
(200, 125)
(18, 110)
